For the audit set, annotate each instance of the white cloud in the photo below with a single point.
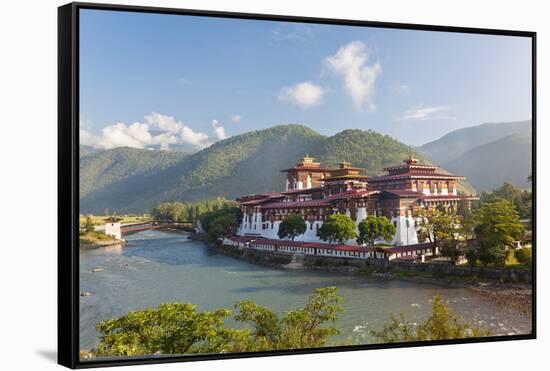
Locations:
(402, 89)
(420, 113)
(305, 94)
(236, 118)
(219, 130)
(359, 78)
(156, 130)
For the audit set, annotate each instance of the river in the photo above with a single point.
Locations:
(160, 266)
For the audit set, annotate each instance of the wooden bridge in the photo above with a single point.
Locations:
(138, 227)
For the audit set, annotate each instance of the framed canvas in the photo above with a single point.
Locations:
(242, 185)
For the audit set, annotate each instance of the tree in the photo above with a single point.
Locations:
(471, 255)
(179, 328)
(220, 222)
(88, 225)
(297, 329)
(524, 256)
(521, 199)
(444, 230)
(442, 324)
(498, 227)
(372, 228)
(337, 228)
(293, 226)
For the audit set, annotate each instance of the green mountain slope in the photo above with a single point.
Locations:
(489, 165)
(99, 169)
(458, 142)
(244, 164)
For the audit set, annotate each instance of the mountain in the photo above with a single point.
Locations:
(243, 164)
(86, 150)
(458, 142)
(489, 165)
(99, 169)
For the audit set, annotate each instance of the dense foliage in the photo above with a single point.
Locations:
(337, 228)
(292, 226)
(188, 212)
(521, 199)
(372, 228)
(497, 227)
(524, 256)
(100, 169)
(220, 222)
(442, 324)
(179, 328)
(443, 229)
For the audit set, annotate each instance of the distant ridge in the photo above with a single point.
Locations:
(243, 164)
(489, 165)
(458, 142)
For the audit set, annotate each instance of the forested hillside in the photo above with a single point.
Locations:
(243, 164)
(99, 169)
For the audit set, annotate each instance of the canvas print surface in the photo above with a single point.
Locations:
(253, 185)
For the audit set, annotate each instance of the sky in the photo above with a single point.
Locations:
(172, 81)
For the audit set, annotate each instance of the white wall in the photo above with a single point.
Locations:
(28, 75)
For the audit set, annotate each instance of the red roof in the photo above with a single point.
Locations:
(304, 190)
(307, 168)
(403, 192)
(448, 197)
(320, 202)
(263, 198)
(409, 175)
(286, 205)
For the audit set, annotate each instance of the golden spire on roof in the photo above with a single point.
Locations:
(308, 161)
(411, 160)
(345, 165)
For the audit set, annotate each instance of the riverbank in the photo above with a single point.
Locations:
(507, 287)
(94, 244)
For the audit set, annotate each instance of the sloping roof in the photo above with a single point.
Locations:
(402, 193)
(410, 175)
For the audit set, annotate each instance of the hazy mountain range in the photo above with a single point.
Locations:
(134, 180)
(488, 154)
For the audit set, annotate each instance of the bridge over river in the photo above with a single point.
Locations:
(138, 227)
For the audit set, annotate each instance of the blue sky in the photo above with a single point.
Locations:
(164, 80)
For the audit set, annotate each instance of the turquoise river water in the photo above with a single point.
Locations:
(160, 266)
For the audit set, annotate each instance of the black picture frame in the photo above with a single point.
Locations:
(68, 181)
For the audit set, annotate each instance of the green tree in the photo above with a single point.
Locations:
(521, 199)
(88, 225)
(373, 227)
(297, 329)
(293, 226)
(498, 227)
(220, 222)
(179, 328)
(471, 255)
(337, 228)
(433, 225)
(442, 324)
(524, 256)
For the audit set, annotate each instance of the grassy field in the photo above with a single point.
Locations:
(126, 219)
(94, 237)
